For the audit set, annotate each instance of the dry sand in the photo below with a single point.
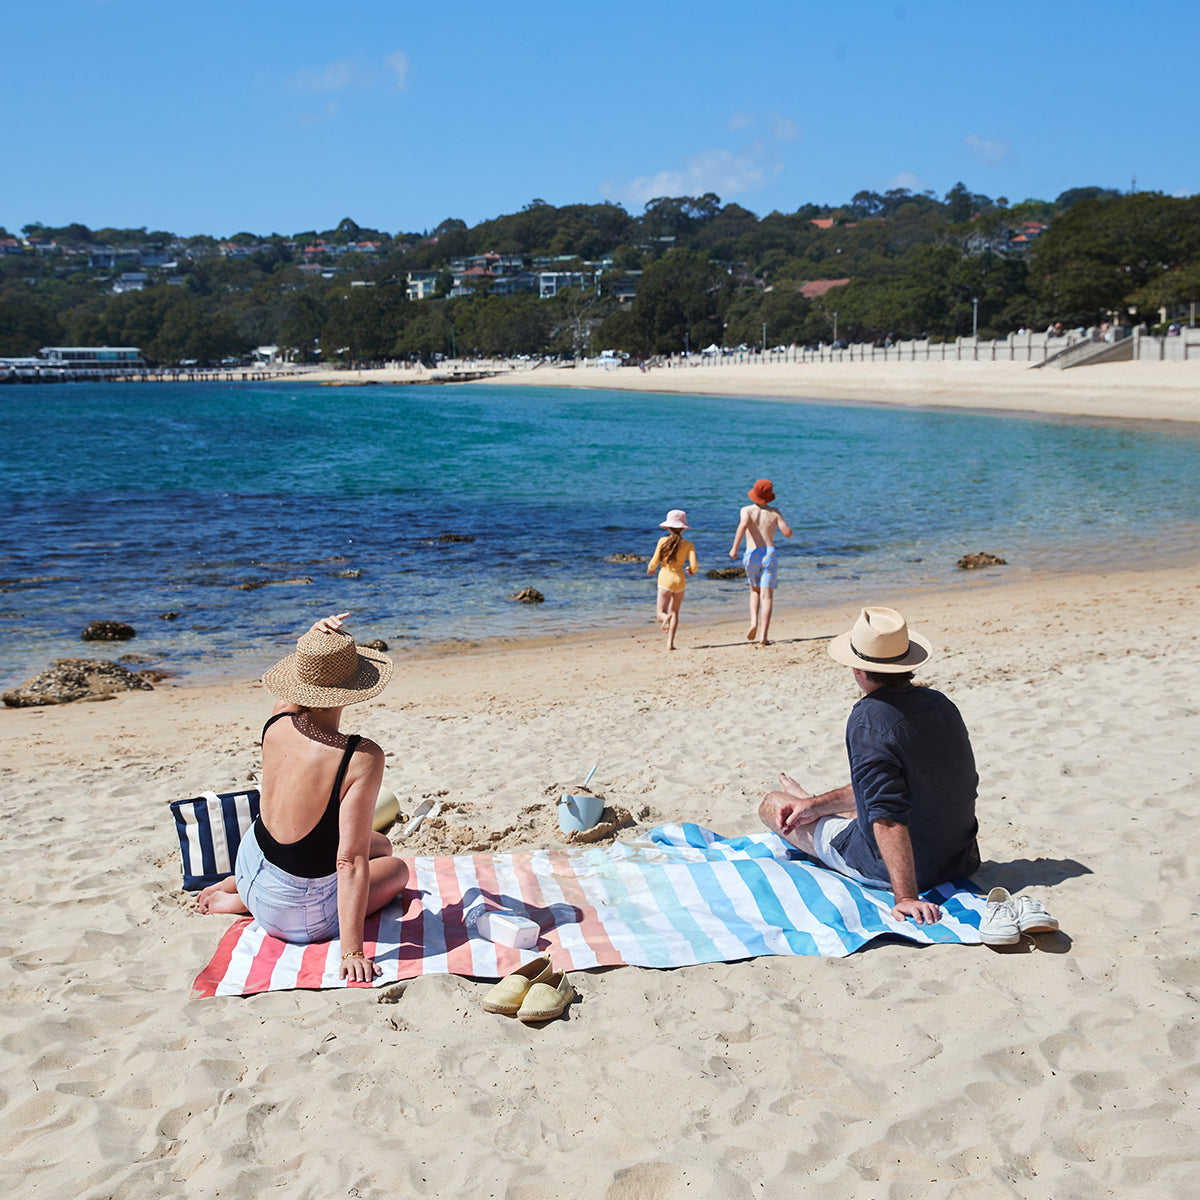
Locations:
(1145, 390)
(1062, 1071)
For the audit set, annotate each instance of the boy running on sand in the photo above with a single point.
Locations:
(758, 524)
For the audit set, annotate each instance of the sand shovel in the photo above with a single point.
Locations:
(427, 808)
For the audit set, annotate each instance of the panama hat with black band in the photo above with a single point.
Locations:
(880, 641)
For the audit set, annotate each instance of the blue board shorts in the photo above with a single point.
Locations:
(761, 567)
(286, 906)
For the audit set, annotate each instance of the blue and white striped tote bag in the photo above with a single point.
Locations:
(210, 829)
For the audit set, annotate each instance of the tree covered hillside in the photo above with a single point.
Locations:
(686, 272)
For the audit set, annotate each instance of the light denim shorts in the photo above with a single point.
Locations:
(286, 906)
(825, 830)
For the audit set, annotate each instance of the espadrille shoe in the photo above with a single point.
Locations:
(547, 998)
(506, 996)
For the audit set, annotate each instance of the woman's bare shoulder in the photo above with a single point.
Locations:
(370, 748)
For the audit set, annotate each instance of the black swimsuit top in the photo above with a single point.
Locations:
(315, 854)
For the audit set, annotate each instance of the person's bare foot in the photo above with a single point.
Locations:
(765, 642)
(220, 898)
(792, 788)
(751, 633)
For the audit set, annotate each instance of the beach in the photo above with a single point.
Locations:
(1129, 391)
(1061, 1069)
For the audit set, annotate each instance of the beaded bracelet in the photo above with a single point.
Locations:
(353, 954)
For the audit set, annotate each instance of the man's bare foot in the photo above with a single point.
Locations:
(792, 788)
(751, 633)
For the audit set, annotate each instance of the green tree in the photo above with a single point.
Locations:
(363, 322)
(25, 328)
(680, 302)
(1102, 252)
(789, 318)
(300, 329)
(1072, 196)
(958, 204)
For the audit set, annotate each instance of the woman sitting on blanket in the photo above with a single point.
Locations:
(311, 866)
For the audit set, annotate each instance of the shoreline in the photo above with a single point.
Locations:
(720, 630)
(791, 623)
(1133, 391)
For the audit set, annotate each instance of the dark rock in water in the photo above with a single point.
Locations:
(726, 573)
(350, 574)
(168, 616)
(454, 537)
(253, 585)
(529, 596)
(76, 679)
(108, 631)
(970, 562)
(136, 658)
(375, 644)
(626, 558)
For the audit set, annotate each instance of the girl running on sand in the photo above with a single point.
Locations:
(671, 557)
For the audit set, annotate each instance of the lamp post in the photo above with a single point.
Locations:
(687, 349)
(764, 337)
(835, 327)
(974, 317)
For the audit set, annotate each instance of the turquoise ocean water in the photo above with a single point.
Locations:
(128, 501)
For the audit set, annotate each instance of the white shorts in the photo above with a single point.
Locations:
(824, 831)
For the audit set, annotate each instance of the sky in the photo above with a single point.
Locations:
(272, 117)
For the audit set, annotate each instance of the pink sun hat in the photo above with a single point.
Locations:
(676, 519)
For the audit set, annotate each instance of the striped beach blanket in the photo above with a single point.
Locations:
(681, 895)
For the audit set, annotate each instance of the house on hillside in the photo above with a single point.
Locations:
(421, 284)
(1026, 234)
(510, 285)
(550, 283)
(468, 280)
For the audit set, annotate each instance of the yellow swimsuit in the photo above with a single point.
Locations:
(670, 574)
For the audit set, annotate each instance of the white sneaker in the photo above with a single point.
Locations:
(999, 925)
(1032, 916)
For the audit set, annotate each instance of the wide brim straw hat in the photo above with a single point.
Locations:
(880, 641)
(676, 519)
(328, 671)
(762, 492)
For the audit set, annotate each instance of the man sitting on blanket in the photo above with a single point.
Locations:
(907, 818)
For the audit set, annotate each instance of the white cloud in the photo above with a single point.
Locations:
(333, 78)
(987, 150)
(742, 120)
(314, 118)
(397, 63)
(785, 130)
(906, 179)
(345, 74)
(720, 171)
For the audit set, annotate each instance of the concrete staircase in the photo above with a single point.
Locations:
(1086, 354)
